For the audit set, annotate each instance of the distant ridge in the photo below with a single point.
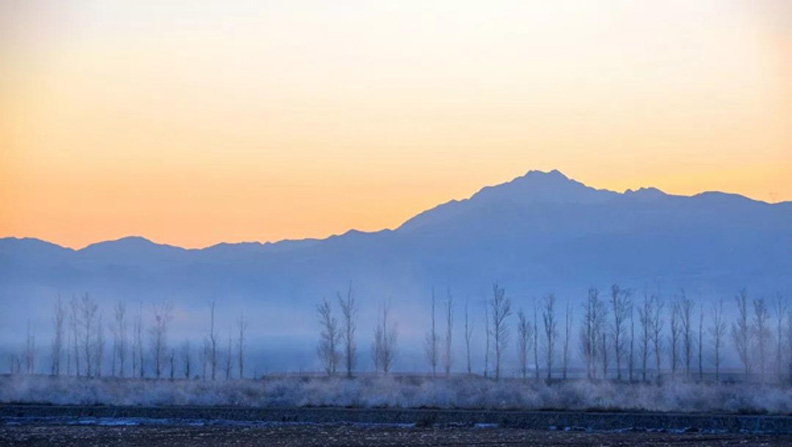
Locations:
(536, 233)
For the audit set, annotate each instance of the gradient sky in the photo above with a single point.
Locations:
(192, 122)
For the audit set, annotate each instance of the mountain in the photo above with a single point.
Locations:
(538, 233)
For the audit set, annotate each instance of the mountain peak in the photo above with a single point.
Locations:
(541, 186)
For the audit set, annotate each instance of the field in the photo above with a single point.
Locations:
(349, 435)
(388, 411)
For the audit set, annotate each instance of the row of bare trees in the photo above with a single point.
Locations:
(620, 337)
(79, 344)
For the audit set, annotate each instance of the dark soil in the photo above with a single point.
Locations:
(348, 435)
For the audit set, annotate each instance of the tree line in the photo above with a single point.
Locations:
(80, 343)
(619, 336)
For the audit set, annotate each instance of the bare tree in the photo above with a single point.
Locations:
(186, 358)
(550, 331)
(718, 332)
(761, 331)
(158, 333)
(780, 308)
(645, 312)
(229, 358)
(349, 325)
(604, 351)
(468, 337)
(590, 334)
(536, 341)
(741, 331)
(88, 309)
(621, 306)
(686, 314)
(30, 350)
(487, 340)
(58, 319)
(99, 346)
(212, 340)
(384, 348)
(701, 343)
(657, 331)
(525, 334)
(501, 309)
(432, 340)
(137, 343)
(449, 314)
(565, 350)
(676, 331)
(76, 325)
(329, 338)
(203, 357)
(172, 362)
(119, 337)
(242, 326)
(631, 358)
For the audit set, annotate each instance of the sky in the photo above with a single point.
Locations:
(193, 122)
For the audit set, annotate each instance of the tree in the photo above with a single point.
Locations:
(137, 343)
(501, 309)
(329, 338)
(604, 350)
(229, 358)
(594, 313)
(657, 331)
(119, 337)
(685, 315)
(741, 331)
(172, 362)
(536, 341)
(468, 337)
(76, 325)
(242, 326)
(761, 319)
(349, 325)
(487, 340)
(780, 311)
(212, 340)
(432, 341)
(30, 350)
(645, 312)
(99, 346)
(186, 358)
(449, 314)
(88, 309)
(550, 331)
(631, 360)
(621, 306)
(384, 348)
(565, 349)
(58, 319)
(158, 333)
(701, 343)
(718, 332)
(525, 333)
(203, 357)
(676, 331)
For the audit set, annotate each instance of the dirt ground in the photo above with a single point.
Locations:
(353, 436)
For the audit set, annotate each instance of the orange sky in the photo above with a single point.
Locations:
(195, 122)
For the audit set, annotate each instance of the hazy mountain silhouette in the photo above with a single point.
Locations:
(538, 233)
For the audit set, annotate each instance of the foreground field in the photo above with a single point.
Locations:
(346, 435)
(457, 392)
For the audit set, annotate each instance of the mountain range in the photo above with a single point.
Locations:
(539, 233)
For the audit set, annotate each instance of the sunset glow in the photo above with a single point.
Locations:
(197, 122)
